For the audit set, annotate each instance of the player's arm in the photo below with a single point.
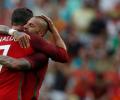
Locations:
(55, 51)
(4, 29)
(30, 62)
(22, 37)
(14, 63)
(56, 36)
(50, 50)
(37, 60)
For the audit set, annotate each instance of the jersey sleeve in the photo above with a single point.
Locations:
(37, 60)
(55, 53)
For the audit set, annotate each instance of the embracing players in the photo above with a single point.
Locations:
(25, 85)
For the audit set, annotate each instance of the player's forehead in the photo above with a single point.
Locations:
(33, 21)
(36, 21)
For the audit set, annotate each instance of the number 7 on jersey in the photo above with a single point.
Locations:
(4, 49)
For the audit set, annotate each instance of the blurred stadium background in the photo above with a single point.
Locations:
(91, 31)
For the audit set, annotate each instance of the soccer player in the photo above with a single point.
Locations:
(10, 81)
(56, 52)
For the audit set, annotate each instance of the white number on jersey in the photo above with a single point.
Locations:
(5, 49)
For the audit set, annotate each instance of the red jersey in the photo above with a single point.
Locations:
(34, 78)
(10, 80)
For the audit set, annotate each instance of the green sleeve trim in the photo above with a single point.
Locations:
(19, 90)
(36, 85)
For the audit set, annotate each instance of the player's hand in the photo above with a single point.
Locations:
(23, 39)
(51, 26)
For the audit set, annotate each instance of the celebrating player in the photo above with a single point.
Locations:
(33, 78)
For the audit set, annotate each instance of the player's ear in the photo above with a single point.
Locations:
(42, 34)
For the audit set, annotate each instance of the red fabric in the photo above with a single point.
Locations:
(39, 65)
(30, 82)
(10, 80)
(51, 51)
(37, 60)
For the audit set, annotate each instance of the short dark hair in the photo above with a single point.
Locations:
(21, 16)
